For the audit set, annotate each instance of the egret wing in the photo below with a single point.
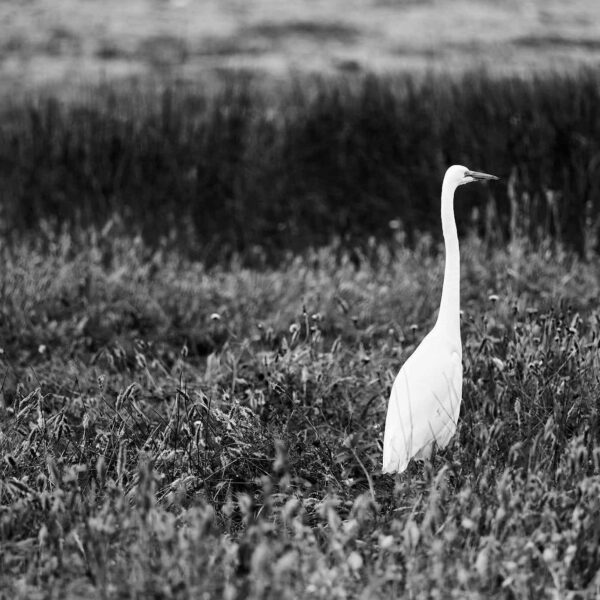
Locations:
(424, 403)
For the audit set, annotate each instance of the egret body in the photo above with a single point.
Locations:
(425, 400)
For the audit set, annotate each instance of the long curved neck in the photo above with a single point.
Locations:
(449, 315)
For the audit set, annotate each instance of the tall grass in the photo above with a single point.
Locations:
(170, 430)
(245, 168)
(182, 428)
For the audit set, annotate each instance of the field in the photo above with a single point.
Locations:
(173, 431)
(220, 241)
(65, 45)
(258, 173)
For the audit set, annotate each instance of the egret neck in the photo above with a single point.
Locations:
(449, 315)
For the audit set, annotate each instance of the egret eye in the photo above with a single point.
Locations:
(466, 174)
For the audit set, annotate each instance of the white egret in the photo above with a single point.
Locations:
(425, 399)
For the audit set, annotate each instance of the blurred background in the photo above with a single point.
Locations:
(70, 43)
(231, 125)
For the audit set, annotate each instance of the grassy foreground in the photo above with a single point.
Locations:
(169, 431)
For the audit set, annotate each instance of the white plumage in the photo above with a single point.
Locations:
(425, 400)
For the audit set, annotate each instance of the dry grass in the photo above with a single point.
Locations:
(170, 431)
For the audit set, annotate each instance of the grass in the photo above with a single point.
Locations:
(171, 430)
(204, 301)
(261, 172)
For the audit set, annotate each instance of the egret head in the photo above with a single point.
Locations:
(458, 175)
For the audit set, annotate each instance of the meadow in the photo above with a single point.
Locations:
(204, 300)
(175, 431)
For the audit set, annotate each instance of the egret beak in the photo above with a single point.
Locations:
(480, 176)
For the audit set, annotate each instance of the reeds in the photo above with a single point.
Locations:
(245, 168)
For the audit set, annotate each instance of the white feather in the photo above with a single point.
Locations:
(424, 404)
